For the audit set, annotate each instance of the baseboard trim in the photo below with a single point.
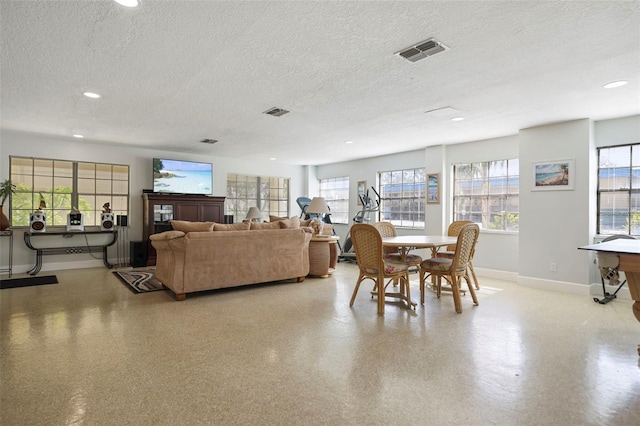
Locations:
(559, 286)
(497, 274)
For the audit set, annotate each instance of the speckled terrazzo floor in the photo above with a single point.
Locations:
(89, 351)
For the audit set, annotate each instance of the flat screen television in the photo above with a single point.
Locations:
(182, 177)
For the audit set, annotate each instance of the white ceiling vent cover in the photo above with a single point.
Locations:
(276, 112)
(422, 50)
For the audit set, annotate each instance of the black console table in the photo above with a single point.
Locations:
(68, 249)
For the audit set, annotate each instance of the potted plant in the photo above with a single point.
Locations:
(6, 190)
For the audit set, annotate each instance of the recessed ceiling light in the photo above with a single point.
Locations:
(615, 84)
(348, 141)
(128, 3)
(457, 119)
(91, 95)
(77, 135)
(272, 158)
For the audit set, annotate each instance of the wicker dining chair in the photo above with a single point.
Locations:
(449, 251)
(453, 270)
(387, 229)
(372, 265)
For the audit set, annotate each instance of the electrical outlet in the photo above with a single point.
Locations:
(553, 267)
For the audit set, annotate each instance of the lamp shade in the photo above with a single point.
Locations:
(253, 213)
(318, 206)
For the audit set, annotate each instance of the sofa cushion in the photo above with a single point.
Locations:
(265, 225)
(187, 226)
(242, 226)
(292, 222)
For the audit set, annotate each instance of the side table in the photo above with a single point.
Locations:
(8, 233)
(323, 256)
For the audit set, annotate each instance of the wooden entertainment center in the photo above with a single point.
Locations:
(159, 209)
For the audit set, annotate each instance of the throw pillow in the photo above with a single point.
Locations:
(292, 222)
(243, 226)
(273, 218)
(265, 225)
(186, 226)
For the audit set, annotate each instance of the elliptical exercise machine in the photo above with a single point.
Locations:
(363, 216)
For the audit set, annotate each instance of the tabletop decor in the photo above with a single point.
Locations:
(6, 190)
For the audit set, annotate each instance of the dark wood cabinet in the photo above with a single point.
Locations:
(159, 209)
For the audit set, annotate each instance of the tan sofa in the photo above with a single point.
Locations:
(200, 260)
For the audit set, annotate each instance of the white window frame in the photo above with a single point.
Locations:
(64, 184)
(335, 191)
(270, 194)
(403, 197)
(619, 189)
(488, 193)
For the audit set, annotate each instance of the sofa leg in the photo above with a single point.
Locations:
(300, 279)
(180, 296)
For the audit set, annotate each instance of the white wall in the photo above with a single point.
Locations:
(140, 162)
(495, 250)
(552, 224)
(617, 131)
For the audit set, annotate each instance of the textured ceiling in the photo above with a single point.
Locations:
(174, 72)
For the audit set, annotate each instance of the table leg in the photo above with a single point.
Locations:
(36, 268)
(105, 258)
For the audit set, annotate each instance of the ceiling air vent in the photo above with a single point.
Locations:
(422, 50)
(276, 112)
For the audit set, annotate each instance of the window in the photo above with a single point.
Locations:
(487, 193)
(619, 190)
(335, 191)
(402, 197)
(66, 184)
(269, 194)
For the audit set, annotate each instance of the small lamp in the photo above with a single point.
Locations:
(318, 206)
(253, 214)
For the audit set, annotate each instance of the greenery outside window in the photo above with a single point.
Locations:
(335, 191)
(269, 194)
(66, 184)
(487, 193)
(619, 190)
(402, 197)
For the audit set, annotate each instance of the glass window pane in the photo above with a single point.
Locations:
(43, 167)
(56, 180)
(86, 186)
(43, 183)
(103, 186)
(86, 170)
(488, 183)
(618, 183)
(614, 212)
(63, 169)
(103, 171)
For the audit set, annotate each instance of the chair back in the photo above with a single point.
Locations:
(386, 229)
(467, 238)
(367, 244)
(454, 230)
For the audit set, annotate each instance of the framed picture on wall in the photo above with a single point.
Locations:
(433, 188)
(362, 189)
(553, 175)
